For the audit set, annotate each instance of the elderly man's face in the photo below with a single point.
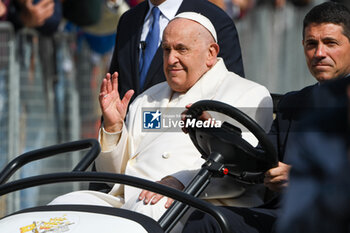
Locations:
(327, 51)
(186, 53)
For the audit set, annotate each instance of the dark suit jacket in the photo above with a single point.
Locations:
(126, 53)
(291, 110)
(318, 194)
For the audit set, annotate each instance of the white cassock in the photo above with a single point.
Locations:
(154, 155)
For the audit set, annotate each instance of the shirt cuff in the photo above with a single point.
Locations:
(109, 141)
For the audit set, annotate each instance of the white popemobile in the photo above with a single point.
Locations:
(224, 150)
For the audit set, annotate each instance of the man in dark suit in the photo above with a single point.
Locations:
(129, 44)
(318, 192)
(326, 41)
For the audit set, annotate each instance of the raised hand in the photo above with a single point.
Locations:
(113, 108)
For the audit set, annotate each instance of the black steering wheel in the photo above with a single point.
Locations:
(241, 160)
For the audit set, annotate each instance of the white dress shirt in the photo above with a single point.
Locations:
(168, 11)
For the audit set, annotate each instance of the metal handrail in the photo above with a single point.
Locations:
(122, 179)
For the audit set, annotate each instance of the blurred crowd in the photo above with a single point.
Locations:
(97, 19)
(237, 9)
(47, 15)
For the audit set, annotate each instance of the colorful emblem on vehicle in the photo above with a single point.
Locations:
(56, 225)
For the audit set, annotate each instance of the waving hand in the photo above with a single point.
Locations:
(113, 108)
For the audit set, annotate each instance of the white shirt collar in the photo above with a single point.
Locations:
(168, 8)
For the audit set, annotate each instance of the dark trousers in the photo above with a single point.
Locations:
(242, 220)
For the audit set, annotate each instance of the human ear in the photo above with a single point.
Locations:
(213, 52)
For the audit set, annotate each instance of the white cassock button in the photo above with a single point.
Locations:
(165, 155)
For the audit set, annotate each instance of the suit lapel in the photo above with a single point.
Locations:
(155, 67)
(299, 108)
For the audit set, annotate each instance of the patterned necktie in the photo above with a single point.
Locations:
(151, 46)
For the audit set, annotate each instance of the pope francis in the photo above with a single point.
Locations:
(193, 72)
